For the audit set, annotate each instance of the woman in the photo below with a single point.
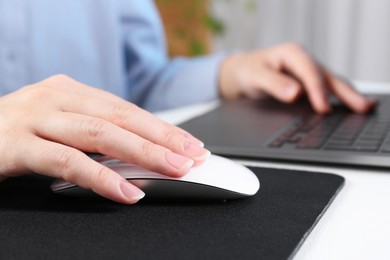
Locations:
(57, 50)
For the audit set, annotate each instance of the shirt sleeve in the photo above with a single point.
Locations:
(156, 82)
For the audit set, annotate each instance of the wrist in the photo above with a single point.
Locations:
(228, 85)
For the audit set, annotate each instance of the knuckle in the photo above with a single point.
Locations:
(167, 136)
(147, 149)
(121, 113)
(124, 113)
(132, 111)
(95, 130)
(60, 77)
(63, 161)
(60, 80)
(102, 176)
(40, 92)
(46, 88)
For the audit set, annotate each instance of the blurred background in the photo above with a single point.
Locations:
(351, 37)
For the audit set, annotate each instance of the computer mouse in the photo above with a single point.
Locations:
(216, 178)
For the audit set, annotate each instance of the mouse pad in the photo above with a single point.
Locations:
(37, 224)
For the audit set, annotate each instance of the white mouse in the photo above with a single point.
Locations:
(216, 178)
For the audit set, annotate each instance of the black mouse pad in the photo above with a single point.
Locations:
(36, 224)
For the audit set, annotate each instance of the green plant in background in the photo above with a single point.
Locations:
(194, 22)
(214, 25)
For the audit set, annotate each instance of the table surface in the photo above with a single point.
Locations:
(357, 224)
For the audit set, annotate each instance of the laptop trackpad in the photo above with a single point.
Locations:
(236, 122)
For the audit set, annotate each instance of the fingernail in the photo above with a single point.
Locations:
(290, 91)
(325, 108)
(131, 192)
(178, 161)
(196, 152)
(372, 100)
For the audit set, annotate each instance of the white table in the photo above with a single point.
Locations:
(357, 224)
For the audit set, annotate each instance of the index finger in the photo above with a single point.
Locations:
(122, 109)
(141, 123)
(305, 69)
(347, 94)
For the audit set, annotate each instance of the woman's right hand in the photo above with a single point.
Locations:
(46, 127)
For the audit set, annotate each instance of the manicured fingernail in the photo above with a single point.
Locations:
(324, 108)
(132, 193)
(290, 91)
(196, 152)
(178, 161)
(321, 103)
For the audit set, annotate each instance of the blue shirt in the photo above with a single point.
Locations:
(116, 45)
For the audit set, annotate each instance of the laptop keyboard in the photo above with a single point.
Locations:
(340, 131)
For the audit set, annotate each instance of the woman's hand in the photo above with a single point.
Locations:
(45, 126)
(285, 72)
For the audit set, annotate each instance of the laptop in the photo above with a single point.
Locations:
(269, 129)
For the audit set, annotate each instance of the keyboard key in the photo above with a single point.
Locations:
(310, 142)
(343, 131)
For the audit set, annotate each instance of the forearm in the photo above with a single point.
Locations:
(182, 81)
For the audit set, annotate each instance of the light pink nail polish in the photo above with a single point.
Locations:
(196, 152)
(178, 161)
(290, 91)
(131, 192)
